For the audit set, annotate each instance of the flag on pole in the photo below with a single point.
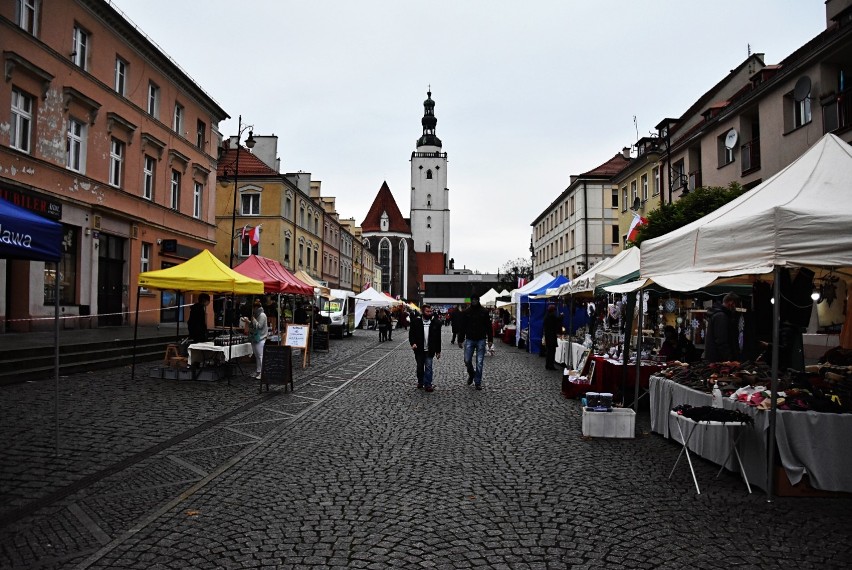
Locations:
(522, 281)
(638, 222)
(244, 233)
(254, 238)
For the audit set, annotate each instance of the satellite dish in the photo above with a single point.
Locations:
(731, 139)
(802, 88)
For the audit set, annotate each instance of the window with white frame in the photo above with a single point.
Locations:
(247, 248)
(724, 153)
(26, 15)
(116, 162)
(644, 180)
(174, 194)
(197, 199)
(200, 134)
(148, 169)
(801, 112)
(656, 173)
(120, 76)
(250, 204)
(614, 198)
(153, 100)
(634, 192)
(75, 158)
(145, 261)
(177, 120)
(624, 199)
(288, 205)
(80, 47)
(22, 120)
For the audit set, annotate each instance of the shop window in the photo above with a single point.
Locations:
(67, 270)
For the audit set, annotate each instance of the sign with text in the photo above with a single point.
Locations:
(297, 336)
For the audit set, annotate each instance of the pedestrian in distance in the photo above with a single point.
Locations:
(383, 324)
(475, 333)
(258, 328)
(197, 322)
(721, 342)
(552, 328)
(300, 316)
(455, 322)
(424, 336)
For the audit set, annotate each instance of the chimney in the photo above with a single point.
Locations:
(625, 152)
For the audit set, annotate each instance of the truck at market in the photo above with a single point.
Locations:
(340, 310)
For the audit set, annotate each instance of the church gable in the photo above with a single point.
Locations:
(385, 206)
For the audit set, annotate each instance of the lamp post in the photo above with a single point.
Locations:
(250, 144)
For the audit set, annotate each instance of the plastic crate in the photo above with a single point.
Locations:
(156, 372)
(620, 422)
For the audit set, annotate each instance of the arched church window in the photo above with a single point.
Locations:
(429, 174)
(428, 221)
(428, 247)
(385, 263)
(428, 200)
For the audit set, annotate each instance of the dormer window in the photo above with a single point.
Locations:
(385, 222)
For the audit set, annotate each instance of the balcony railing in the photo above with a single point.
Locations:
(750, 155)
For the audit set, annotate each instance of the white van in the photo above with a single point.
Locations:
(340, 309)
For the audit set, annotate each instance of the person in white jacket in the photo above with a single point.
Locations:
(258, 329)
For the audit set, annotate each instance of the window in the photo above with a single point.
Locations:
(247, 248)
(428, 175)
(288, 205)
(725, 155)
(145, 261)
(250, 205)
(572, 206)
(316, 228)
(120, 76)
(80, 47)
(644, 180)
(302, 216)
(801, 112)
(656, 173)
(428, 247)
(573, 243)
(634, 192)
(428, 221)
(287, 249)
(177, 122)
(174, 195)
(301, 251)
(148, 177)
(614, 237)
(615, 198)
(316, 255)
(428, 200)
(153, 100)
(75, 146)
(624, 199)
(26, 15)
(197, 195)
(200, 134)
(22, 120)
(116, 162)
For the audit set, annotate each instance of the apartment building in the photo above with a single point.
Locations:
(639, 186)
(104, 133)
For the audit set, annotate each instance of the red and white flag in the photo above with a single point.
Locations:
(244, 233)
(638, 222)
(522, 281)
(254, 237)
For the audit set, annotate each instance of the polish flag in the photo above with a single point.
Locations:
(638, 222)
(244, 233)
(521, 282)
(254, 236)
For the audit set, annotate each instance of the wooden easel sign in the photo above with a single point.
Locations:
(298, 337)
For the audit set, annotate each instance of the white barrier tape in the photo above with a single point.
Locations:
(97, 315)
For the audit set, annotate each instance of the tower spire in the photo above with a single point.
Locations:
(429, 121)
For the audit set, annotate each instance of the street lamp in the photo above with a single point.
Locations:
(250, 144)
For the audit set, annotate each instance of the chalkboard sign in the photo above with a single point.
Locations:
(277, 366)
(321, 338)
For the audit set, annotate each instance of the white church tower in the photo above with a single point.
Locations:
(430, 207)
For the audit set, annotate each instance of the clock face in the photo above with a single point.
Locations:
(670, 305)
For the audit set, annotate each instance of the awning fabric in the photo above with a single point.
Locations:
(276, 278)
(201, 273)
(26, 235)
(305, 278)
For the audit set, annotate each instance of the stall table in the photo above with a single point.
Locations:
(206, 353)
(609, 372)
(568, 352)
(811, 443)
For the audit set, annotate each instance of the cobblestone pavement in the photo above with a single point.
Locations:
(358, 469)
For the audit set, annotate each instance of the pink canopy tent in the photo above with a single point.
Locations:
(276, 278)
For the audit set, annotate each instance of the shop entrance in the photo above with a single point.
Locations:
(110, 280)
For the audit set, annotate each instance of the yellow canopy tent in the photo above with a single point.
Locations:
(307, 279)
(201, 273)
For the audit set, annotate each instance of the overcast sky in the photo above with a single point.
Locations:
(526, 93)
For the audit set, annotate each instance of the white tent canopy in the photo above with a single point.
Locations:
(536, 283)
(801, 216)
(489, 298)
(369, 297)
(616, 267)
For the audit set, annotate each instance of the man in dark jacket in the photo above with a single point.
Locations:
(552, 328)
(424, 336)
(455, 322)
(721, 343)
(197, 322)
(474, 330)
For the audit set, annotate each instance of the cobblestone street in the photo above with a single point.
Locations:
(358, 469)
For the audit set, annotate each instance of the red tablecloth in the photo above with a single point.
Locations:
(608, 375)
(509, 335)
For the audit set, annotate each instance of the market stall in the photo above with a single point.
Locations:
(798, 218)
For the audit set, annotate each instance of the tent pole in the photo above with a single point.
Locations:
(640, 303)
(56, 354)
(178, 309)
(776, 321)
(135, 335)
(571, 332)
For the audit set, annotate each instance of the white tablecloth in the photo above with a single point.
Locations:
(808, 442)
(201, 351)
(563, 356)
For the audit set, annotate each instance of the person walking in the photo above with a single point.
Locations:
(552, 327)
(424, 336)
(257, 335)
(721, 342)
(383, 324)
(474, 332)
(197, 322)
(455, 322)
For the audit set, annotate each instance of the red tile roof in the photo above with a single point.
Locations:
(609, 168)
(250, 165)
(385, 202)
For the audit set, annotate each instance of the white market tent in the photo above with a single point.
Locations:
(369, 297)
(517, 294)
(800, 217)
(624, 263)
(489, 298)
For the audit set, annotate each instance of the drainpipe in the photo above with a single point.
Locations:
(586, 226)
